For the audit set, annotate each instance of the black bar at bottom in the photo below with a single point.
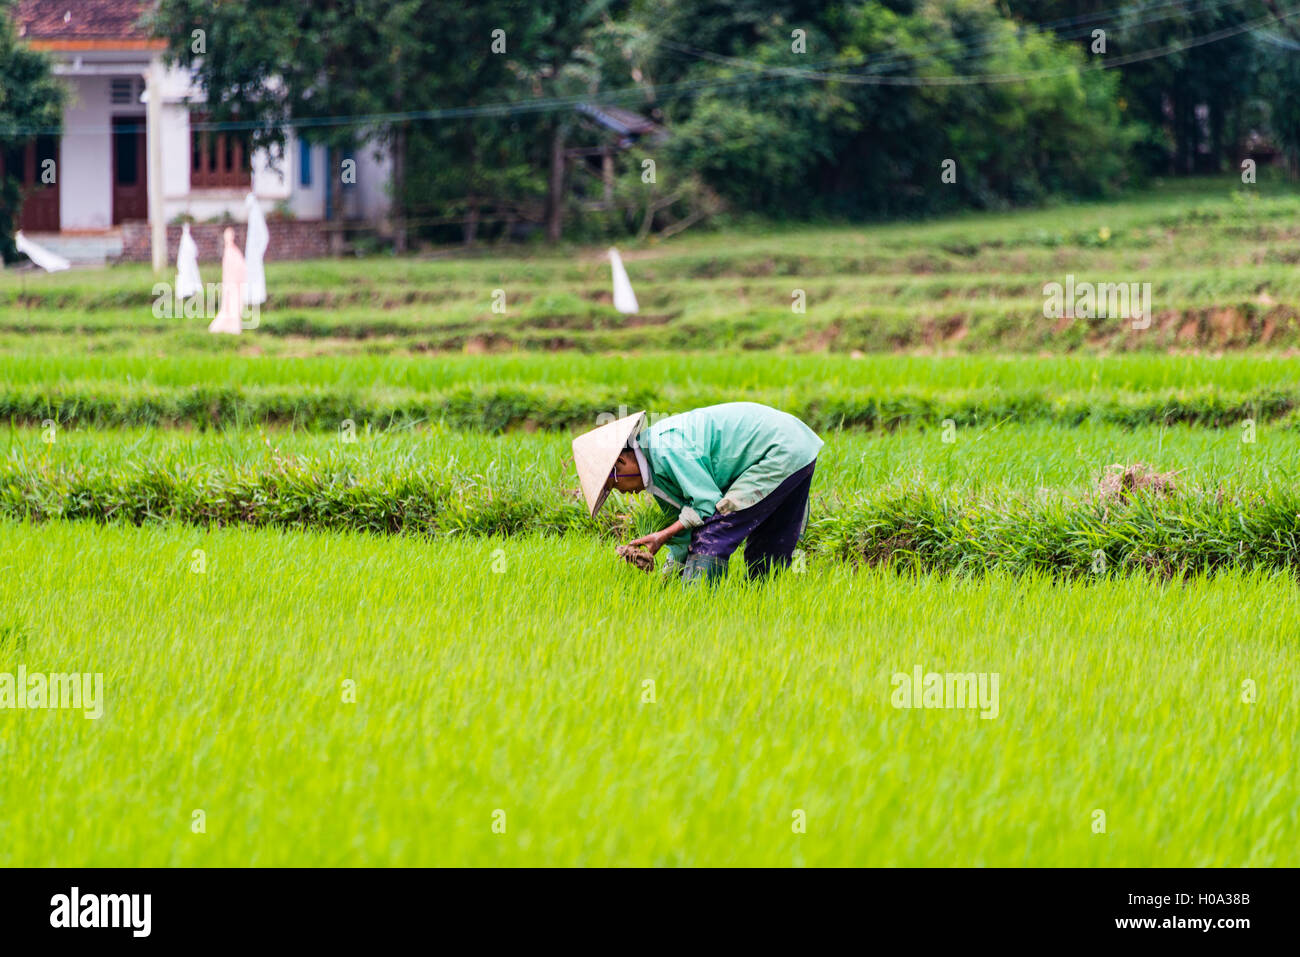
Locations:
(1169, 908)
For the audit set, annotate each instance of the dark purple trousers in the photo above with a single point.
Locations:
(770, 528)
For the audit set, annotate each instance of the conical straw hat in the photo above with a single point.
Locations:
(595, 452)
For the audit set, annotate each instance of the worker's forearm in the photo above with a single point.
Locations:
(672, 530)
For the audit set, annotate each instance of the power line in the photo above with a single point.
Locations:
(1276, 40)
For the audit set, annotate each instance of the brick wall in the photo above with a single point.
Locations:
(290, 239)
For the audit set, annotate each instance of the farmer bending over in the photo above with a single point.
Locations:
(727, 473)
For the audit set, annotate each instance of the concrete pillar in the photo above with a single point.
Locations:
(157, 213)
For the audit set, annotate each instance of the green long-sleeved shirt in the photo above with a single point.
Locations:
(722, 458)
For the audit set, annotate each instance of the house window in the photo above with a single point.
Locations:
(125, 90)
(219, 158)
(304, 163)
(127, 150)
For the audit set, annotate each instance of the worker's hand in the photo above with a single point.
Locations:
(651, 543)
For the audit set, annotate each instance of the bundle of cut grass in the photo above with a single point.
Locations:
(1121, 481)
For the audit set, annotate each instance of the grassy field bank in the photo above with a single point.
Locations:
(1220, 259)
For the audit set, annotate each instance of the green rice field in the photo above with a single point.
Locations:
(348, 609)
(523, 690)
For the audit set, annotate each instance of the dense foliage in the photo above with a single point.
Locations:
(797, 108)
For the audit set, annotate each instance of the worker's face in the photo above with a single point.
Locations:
(626, 476)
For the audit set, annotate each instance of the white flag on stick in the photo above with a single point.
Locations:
(188, 281)
(50, 262)
(624, 297)
(234, 279)
(255, 244)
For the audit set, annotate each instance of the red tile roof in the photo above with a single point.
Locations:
(74, 20)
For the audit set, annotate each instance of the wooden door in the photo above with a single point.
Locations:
(36, 167)
(130, 181)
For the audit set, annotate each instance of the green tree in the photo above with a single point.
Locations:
(479, 57)
(31, 98)
(1191, 105)
(862, 123)
(1278, 49)
(355, 72)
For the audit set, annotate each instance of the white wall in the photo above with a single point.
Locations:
(308, 202)
(86, 159)
(374, 181)
(367, 199)
(175, 151)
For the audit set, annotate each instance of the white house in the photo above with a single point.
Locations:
(127, 156)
